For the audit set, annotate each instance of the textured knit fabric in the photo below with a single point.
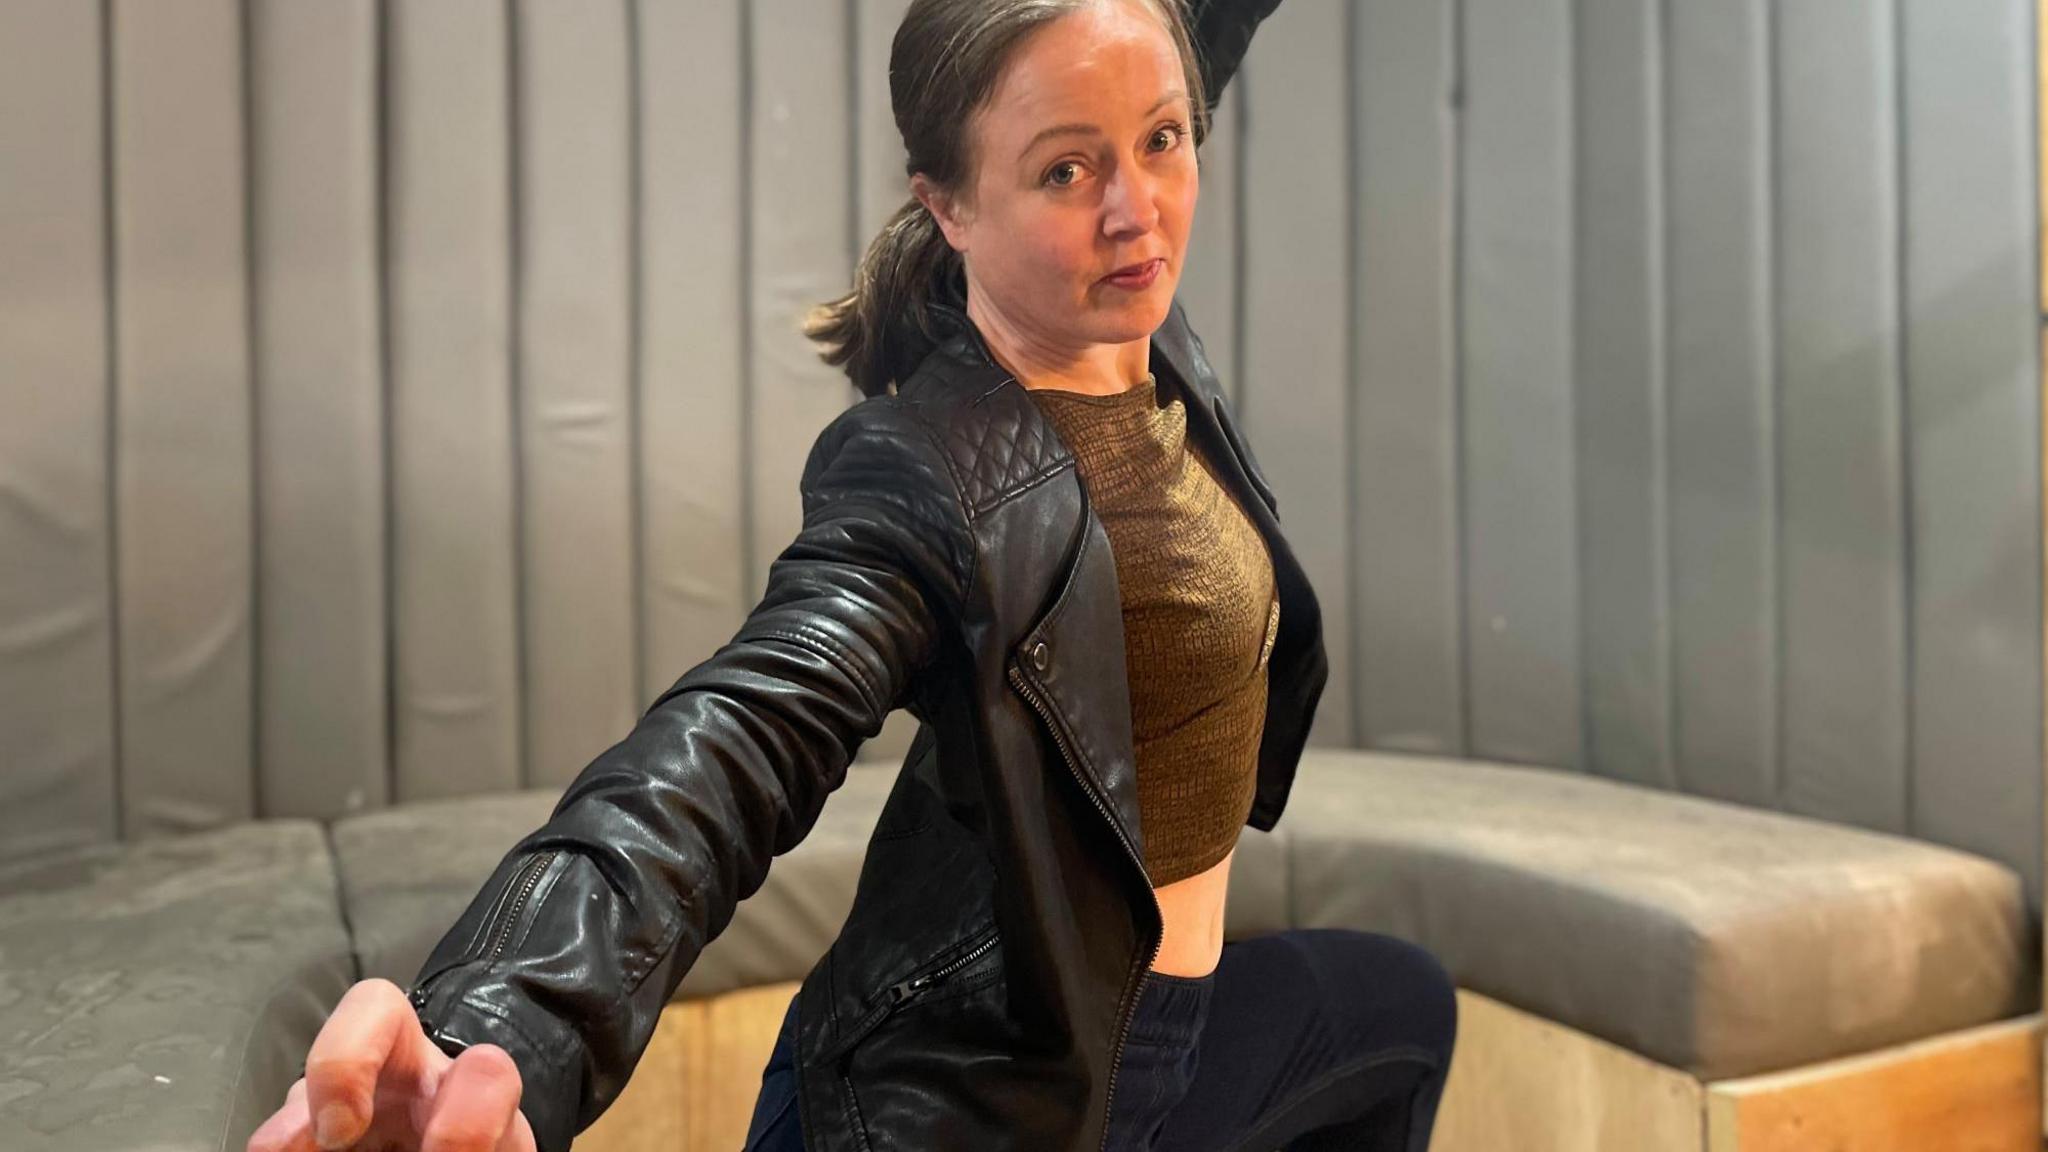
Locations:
(1200, 616)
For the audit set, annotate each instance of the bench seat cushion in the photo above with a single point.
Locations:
(162, 995)
(1718, 939)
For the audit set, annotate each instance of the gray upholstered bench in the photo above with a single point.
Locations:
(1723, 941)
(1629, 956)
(1639, 970)
(161, 996)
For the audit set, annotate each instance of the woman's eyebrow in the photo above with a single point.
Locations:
(1090, 129)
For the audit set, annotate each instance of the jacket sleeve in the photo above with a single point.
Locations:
(1223, 31)
(568, 954)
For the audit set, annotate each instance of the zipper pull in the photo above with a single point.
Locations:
(904, 989)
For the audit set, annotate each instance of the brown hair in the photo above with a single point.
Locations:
(943, 66)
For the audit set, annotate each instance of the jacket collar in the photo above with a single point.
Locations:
(1173, 345)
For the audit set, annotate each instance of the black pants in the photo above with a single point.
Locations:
(1304, 1039)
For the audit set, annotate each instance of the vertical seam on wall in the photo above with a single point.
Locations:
(1908, 580)
(636, 502)
(1664, 617)
(387, 389)
(252, 348)
(111, 322)
(2032, 71)
(1460, 495)
(750, 588)
(1583, 761)
(1772, 29)
(515, 364)
(1579, 446)
(850, 14)
(2039, 560)
(1354, 580)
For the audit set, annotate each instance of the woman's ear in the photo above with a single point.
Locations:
(943, 210)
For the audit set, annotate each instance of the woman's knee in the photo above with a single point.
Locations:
(1409, 985)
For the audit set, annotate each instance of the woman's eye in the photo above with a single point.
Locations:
(1171, 134)
(1071, 170)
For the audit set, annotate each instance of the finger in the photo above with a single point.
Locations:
(347, 1057)
(518, 1135)
(289, 1129)
(475, 1103)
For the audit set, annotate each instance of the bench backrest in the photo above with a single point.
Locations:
(395, 397)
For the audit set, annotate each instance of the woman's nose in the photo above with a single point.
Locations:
(1131, 206)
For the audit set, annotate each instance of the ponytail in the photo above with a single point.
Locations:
(880, 330)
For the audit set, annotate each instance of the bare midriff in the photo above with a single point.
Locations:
(1192, 912)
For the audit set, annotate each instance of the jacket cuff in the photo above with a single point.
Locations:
(550, 1079)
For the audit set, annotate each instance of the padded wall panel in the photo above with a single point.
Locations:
(1973, 413)
(183, 465)
(881, 184)
(1842, 562)
(1722, 347)
(454, 610)
(56, 640)
(1295, 280)
(1515, 305)
(321, 687)
(692, 170)
(799, 215)
(1209, 275)
(1404, 544)
(1619, 406)
(574, 368)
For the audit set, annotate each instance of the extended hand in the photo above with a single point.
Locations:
(375, 1083)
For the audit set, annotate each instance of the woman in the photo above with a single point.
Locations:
(1043, 536)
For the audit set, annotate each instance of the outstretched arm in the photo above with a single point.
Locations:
(567, 956)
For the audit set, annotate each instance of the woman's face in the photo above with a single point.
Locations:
(1083, 166)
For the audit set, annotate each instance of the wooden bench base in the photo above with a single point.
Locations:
(696, 1083)
(1525, 1083)
(1520, 1083)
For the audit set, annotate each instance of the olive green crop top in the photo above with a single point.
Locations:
(1200, 617)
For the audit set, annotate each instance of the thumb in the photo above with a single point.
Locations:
(371, 1038)
(474, 1104)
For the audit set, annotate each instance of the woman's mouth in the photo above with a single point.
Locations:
(1137, 276)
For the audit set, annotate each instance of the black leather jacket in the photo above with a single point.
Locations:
(949, 563)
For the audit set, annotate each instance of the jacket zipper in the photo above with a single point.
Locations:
(901, 991)
(904, 989)
(523, 883)
(514, 898)
(1127, 1002)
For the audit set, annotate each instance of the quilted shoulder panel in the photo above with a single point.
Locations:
(996, 439)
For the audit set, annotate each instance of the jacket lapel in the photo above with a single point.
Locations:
(1090, 706)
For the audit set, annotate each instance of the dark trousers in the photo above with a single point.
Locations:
(1303, 1039)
